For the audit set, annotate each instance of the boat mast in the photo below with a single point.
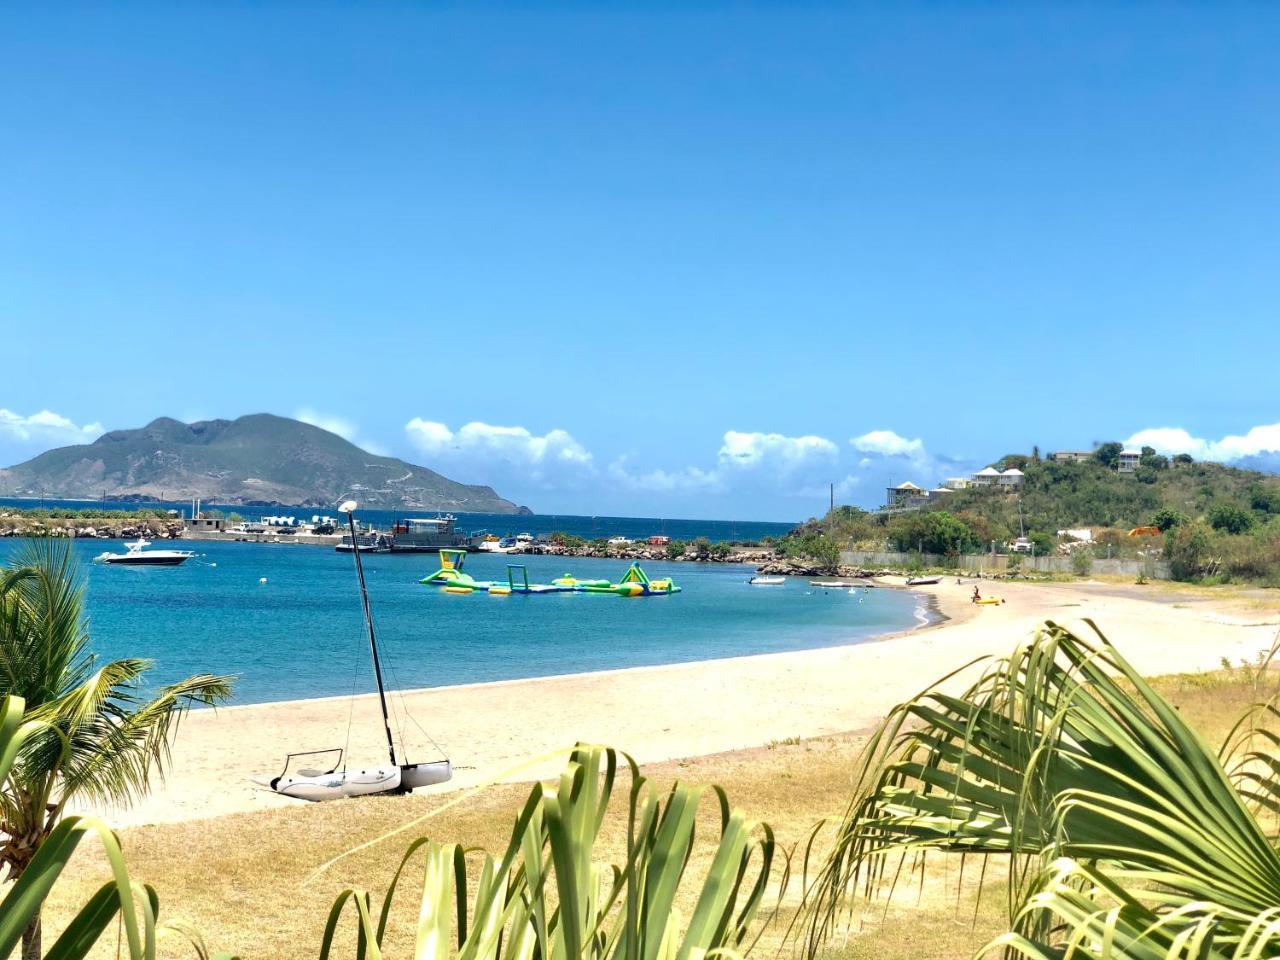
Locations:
(373, 640)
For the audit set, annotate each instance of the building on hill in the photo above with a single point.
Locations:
(956, 483)
(905, 496)
(1010, 478)
(986, 477)
(1070, 456)
(1128, 460)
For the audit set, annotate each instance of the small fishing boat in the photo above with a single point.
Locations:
(335, 779)
(833, 584)
(923, 581)
(373, 542)
(137, 554)
(762, 581)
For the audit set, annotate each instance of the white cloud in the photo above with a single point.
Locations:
(666, 481)
(46, 427)
(1259, 440)
(486, 441)
(757, 467)
(751, 450)
(886, 443)
(344, 428)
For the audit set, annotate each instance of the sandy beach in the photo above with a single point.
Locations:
(518, 729)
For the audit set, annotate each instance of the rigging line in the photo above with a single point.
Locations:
(389, 663)
(351, 705)
(403, 705)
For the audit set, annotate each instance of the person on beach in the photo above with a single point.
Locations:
(976, 595)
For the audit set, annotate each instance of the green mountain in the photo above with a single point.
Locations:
(255, 459)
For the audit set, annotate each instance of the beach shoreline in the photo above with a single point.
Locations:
(669, 711)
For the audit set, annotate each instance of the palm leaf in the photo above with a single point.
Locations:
(1119, 824)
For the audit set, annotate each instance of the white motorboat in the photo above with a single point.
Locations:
(761, 581)
(137, 554)
(338, 779)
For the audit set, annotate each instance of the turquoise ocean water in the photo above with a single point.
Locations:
(300, 634)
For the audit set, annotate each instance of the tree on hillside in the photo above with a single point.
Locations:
(1149, 458)
(1264, 498)
(1108, 454)
(932, 532)
(103, 742)
(1183, 458)
(1167, 518)
(1230, 518)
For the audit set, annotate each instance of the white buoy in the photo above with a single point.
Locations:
(262, 579)
(213, 564)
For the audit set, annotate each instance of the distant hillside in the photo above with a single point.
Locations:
(1215, 522)
(254, 459)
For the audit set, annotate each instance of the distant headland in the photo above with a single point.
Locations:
(255, 459)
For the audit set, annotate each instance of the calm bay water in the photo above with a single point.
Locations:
(300, 634)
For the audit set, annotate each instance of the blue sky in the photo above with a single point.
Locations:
(662, 260)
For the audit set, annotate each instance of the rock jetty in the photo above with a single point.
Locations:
(95, 528)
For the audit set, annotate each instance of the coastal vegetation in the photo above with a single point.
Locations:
(96, 741)
(549, 895)
(1213, 523)
(1121, 832)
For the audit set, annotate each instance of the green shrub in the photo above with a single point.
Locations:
(1082, 561)
(1230, 518)
(1167, 518)
(934, 531)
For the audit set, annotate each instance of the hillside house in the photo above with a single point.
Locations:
(1010, 479)
(1128, 461)
(1070, 456)
(986, 477)
(905, 495)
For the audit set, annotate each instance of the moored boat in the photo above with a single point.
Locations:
(138, 555)
(765, 581)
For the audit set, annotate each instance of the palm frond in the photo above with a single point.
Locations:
(134, 904)
(1062, 753)
(115, 753)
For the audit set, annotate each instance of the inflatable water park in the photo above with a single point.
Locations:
(451, 578)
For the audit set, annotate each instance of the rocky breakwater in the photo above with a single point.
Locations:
(94, 528)
(793, 567)
(692, 553)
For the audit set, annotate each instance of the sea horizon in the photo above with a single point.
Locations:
(583, 525)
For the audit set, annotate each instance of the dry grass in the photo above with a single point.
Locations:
(243, 879)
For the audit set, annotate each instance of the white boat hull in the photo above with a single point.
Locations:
(371, 781)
